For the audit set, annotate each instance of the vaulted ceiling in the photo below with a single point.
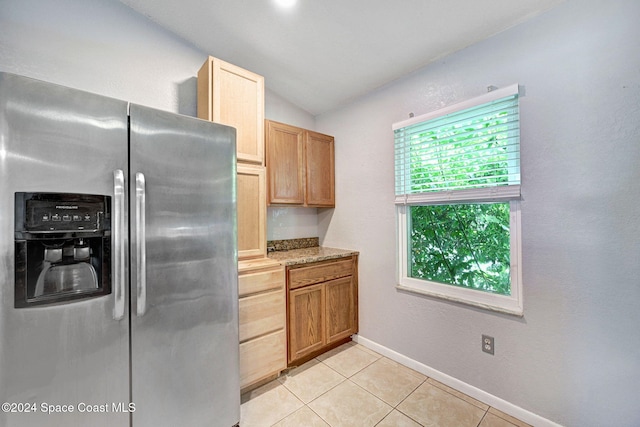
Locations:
(321, 54)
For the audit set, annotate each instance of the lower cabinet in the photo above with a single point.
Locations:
(322, 306)
(262, 314)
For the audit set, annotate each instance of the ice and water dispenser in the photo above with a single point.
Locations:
(62, 247)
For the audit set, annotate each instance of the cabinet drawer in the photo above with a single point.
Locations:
(317, 273)
(252, 283)
(261, 314)
(262, 357)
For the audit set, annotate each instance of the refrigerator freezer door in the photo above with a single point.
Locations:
(185, 342)
(55, 139)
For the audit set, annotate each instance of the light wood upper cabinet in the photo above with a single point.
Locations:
(285, 157)
(300, 166)
(252, 212)
(233, 96)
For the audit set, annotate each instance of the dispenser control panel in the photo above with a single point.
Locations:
(52, 215)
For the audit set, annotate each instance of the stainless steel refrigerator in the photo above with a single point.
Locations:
(118, 263)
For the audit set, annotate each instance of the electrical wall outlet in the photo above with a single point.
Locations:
(488, 344)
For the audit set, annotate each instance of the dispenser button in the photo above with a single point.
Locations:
(77, 218)
(55, 217)
(87, 217)
(81, 253)
(66, 217)
(46, 217)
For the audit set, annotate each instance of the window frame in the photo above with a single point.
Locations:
(510, 304)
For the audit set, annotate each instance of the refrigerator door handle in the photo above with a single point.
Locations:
(118, 244)
(141, 247)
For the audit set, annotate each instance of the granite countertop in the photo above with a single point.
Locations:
(307, 255)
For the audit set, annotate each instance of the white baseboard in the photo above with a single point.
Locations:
(491, 400)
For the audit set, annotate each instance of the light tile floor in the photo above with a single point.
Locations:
(352, 386)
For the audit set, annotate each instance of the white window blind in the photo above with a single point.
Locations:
(468, 151)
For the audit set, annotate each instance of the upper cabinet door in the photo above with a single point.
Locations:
(320, 169)
(252, 212)
(233, 96)
(285, 163)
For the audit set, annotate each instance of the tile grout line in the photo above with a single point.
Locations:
(288, 415)
(379, 357)
(317, 397)
(323, 393)
(345, 378)
(483, 417)
(486, 411)
(393, 407)
(406, 397)
(458, 397)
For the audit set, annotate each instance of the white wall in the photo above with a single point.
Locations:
(574, 356)
(281, 110)
(99, 46)
(104, 47)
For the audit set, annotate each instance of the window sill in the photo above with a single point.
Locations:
(519, 312)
